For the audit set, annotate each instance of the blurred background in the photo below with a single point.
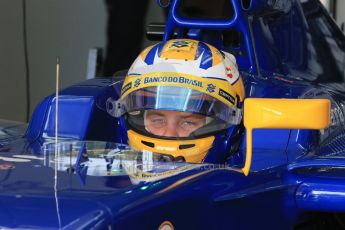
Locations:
(35, 32)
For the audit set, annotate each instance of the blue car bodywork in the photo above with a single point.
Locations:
(284, 49)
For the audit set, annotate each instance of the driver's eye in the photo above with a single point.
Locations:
(157, 122)
(189, 125)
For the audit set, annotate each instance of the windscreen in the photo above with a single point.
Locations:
(94, 158)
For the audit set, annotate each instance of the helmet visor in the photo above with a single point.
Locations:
(178, 99)
(171, 111)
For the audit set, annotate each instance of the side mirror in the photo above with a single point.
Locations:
(283, 114)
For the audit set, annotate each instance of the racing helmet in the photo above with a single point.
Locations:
(182, 98)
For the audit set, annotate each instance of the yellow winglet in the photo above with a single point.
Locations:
(262, 113)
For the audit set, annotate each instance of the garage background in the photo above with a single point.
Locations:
(64, 28)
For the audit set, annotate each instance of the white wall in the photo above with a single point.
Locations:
(12, 71)
(340, 12)
(63, 28)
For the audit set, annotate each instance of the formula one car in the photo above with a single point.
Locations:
(285, 168)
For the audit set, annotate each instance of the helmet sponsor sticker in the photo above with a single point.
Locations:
(182, 80)
(137, 83)
(225, 94)
(183, 49)
(126, 87)
(210, 88)
(181, 45)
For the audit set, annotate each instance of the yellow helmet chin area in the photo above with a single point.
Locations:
(193, 151)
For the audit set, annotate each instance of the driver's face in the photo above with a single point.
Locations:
(172, 124)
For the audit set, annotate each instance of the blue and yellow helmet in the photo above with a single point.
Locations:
(182, 98)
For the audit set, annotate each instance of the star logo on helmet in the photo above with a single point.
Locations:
(179, 44)
(210, 88)
(137, 83)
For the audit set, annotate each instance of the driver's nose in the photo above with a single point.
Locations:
(171, 131)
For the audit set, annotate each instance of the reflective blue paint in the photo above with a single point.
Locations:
(318, 162)
(321, 194)
(36, 123)
(287, 49)
(113, 201)
(73, 112)
(82, 113)
(267, 144)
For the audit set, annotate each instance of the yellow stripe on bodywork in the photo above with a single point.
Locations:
(195, 154)
(184, 49)
(219, 89)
